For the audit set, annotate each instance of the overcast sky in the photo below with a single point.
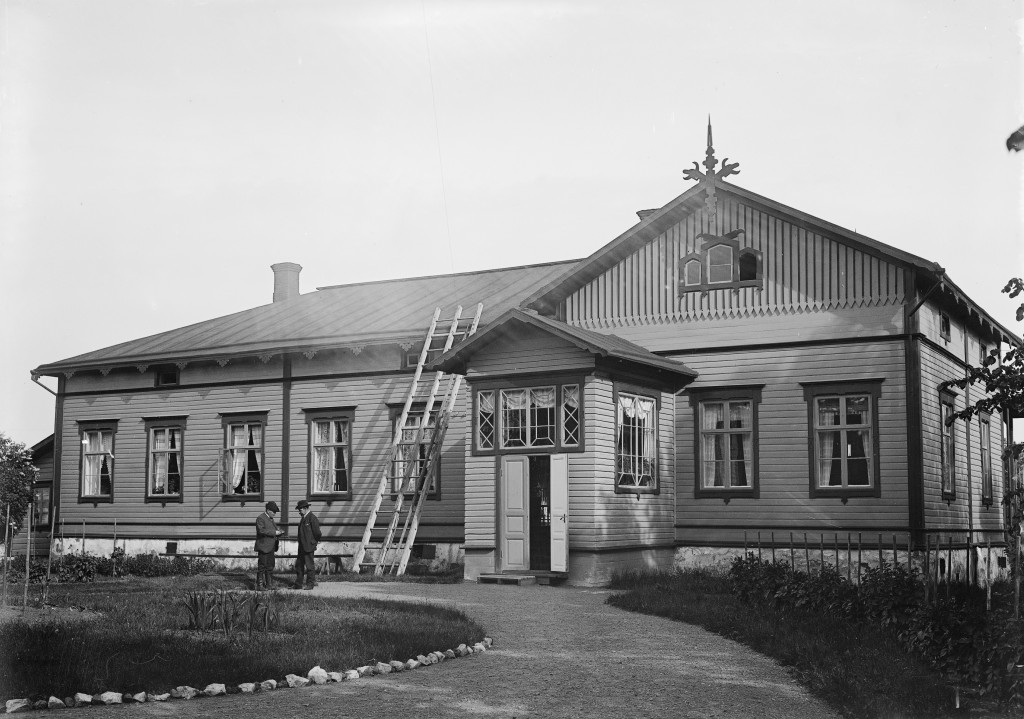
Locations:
(157, 156)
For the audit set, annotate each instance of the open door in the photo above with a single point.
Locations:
(515, 480)
(559, 513)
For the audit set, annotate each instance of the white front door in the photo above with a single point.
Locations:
(515, 527)
(559, 513)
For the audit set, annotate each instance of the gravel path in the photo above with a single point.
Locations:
(558, 652)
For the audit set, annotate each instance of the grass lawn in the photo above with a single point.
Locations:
(854, 667)
(134, 638)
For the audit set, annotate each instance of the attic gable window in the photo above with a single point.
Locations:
(721, 264)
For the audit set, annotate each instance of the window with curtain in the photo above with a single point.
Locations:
(409, 463)
(243, 458)
(985, 428)
(528, 417)
(948, 445)
(331, 455)
(543, 418)
(843, 424)
(727, 444)
(97, 463)
(636, 449)
(165, 461)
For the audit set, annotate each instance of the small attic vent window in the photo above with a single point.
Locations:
(168, 377)
(944, 326)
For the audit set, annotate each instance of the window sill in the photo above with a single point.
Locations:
(96, 500)
(637, 490)
(845, 493)
(169, 499)
(723, 493)
(330, 497)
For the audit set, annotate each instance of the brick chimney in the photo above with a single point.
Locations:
(286, 280)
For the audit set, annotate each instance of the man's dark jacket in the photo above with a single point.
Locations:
(309, 533)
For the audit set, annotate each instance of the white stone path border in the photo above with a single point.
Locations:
(316, 675)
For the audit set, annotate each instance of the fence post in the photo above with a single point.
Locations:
(1016, 579)
(988, 575)
(895, 556)
(835, 547)
(759, 545)
(792, 553)
(849, 559)
(927, 568)
(83, 536)
(807, 554)
(949, 564)
(880, 560)
(860, 548)
(28, 551)
(773, 547)
(744, 544)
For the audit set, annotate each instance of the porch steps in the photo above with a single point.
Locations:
(523, 578)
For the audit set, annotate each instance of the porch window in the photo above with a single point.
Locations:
(331, 443)
(843, 422)
(570, 415)
(636, 443)
(485, 420)
(411, 455)
(165, 462)
(986, 460)
(97, 482)
(528, 417)
(948, 445)
(242, 465)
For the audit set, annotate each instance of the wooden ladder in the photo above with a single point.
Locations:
(418, 470)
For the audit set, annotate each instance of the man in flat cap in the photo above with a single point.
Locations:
(267, 535)
(309, 536)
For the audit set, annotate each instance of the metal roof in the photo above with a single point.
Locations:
(337, 316)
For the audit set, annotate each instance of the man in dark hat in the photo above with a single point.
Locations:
(309, 536)
(267, 535)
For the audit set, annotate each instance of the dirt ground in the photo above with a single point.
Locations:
(558, 652)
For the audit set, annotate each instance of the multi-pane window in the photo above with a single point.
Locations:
(843, 426)
(409, 463)
(692, 273)
(485, 420)
(636, 444)
(528, 417)
(719, 264)
(97, 463)
(727, 444)
(843, 443)
(165, 462)
(948, 445)
(41, 506)
(243, 458)
(545, 418)
(570, 415)
(331, 455)
(986, 459)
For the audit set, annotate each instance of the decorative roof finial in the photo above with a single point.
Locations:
(709, 178)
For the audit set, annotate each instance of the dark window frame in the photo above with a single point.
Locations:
(947, 398)
(749, 393)
(558, 380)
(843, 388)
(228, 419)
(154, 423)
(635, 390)
(985, 452)
(167, 376)
(329, 414)
(103, 425)
(37, 487)
(945, 326)
(739, 254)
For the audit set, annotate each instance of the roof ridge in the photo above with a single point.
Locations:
(453, 274)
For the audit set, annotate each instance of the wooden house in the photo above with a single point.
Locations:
(727, 371)
(42, 504)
